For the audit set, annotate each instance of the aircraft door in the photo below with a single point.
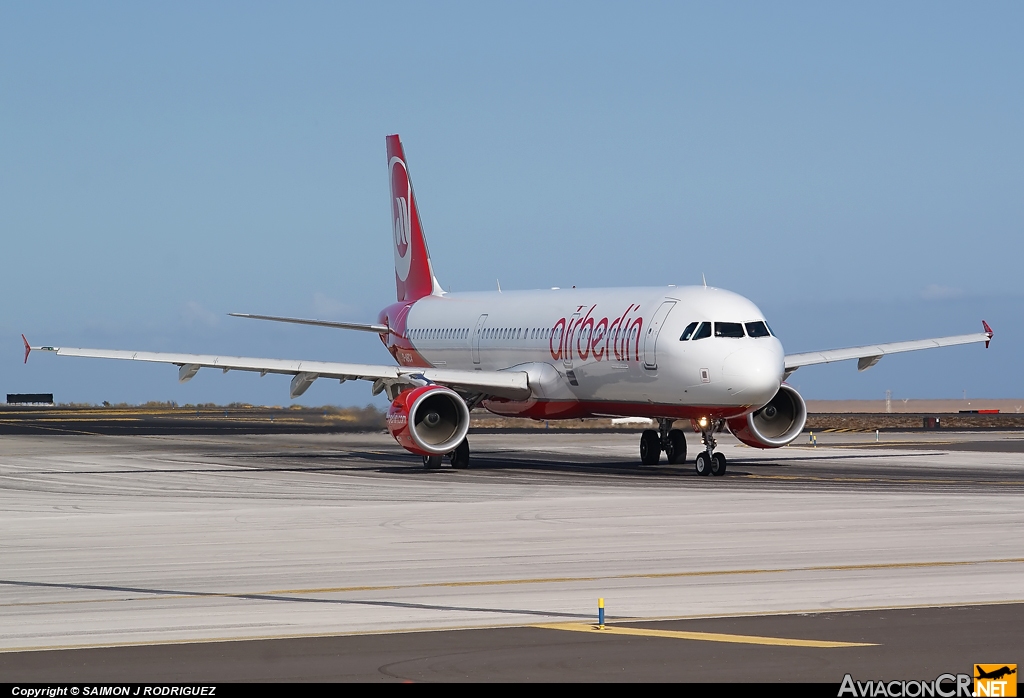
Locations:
(651, 336)
(476, 337)
(569, 334)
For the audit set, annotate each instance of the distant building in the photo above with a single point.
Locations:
(30, 399)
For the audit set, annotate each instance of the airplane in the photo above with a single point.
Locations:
(996, 674)
(691, 353)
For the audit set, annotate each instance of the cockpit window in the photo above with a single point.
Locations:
(688, 332)
(728, 329)
(757, 329)
(703, 332)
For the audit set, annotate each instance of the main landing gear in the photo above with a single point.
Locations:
(673, 443)
(459, 458)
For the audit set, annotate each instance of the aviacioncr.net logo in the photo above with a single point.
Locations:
(401, 195)
(944, 686)
(995, 680)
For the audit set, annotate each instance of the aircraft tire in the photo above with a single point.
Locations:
(718, 464)
(460, 456)
(432, 462)
(650, 447)
(702, 464)
(675, 447)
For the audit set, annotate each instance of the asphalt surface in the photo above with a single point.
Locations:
(338, 557)
(910, 644)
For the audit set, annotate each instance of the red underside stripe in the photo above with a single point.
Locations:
(572, 409)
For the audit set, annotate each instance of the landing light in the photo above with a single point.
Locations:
(703, 421)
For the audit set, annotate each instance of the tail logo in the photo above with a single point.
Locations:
(401, 195)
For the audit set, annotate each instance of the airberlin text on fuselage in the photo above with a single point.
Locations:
(584, 335)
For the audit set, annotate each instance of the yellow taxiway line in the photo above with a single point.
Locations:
(704, 637)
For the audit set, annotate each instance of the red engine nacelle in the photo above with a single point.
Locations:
(428, 421)
(776, 424)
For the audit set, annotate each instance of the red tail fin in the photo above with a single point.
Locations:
(413, 273)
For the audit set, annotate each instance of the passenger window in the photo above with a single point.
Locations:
(757, 329)
(703, 332)
(688, 332)
(733, 330)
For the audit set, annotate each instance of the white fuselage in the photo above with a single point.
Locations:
(601, 351)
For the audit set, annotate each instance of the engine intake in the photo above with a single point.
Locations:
(428, 421)
(774, 425)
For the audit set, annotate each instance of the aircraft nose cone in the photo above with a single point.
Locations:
(755, 372)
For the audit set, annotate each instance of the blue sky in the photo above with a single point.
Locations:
(855, 169)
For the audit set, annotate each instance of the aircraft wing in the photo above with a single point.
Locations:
(508, 384)
(869, 355)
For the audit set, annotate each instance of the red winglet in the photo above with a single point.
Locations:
(988, 331)
(28, 349)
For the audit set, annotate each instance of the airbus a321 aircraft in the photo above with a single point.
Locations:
(674, 353)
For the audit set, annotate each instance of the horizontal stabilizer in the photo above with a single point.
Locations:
(379, 329)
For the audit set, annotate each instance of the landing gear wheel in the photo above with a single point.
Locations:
(650, 447)
(675, 446)
(460, 456)
(718, 464)
(703, 463)
(432, 462)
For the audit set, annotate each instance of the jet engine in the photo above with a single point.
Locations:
(776, 424)
(428, 421)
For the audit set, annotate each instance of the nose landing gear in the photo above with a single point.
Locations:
(708, 462)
